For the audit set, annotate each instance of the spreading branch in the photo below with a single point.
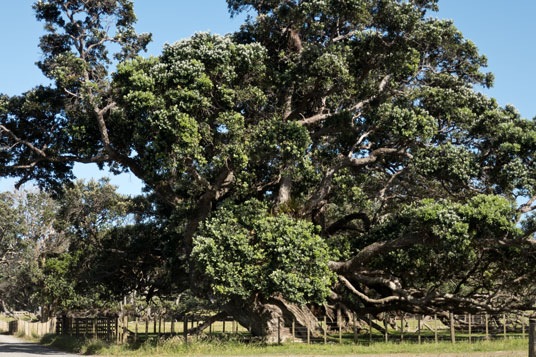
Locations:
(355, 108)
(375, 249)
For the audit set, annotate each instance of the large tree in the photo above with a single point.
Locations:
(329, 151)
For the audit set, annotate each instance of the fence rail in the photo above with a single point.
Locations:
(104, 328)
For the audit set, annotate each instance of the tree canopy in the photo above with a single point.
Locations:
(329, 151)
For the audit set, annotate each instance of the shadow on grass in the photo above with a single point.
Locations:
(18, 347)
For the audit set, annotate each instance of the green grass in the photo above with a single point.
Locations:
(6, 318)
(218, 343)
(175, 346)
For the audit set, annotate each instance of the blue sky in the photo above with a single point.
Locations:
(503, 30)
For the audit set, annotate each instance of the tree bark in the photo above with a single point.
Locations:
(264, 319)
(285, 187)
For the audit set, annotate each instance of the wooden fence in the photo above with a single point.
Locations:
(104, 328)
(4, 326)
(393, 327)
(28, 328)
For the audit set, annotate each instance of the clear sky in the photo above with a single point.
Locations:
(503, 30)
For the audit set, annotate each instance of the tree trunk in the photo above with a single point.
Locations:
(271, 320)
(7, 311)
(285, 188)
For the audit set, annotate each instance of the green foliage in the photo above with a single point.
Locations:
(243, 252)
(356, 121)
(188, 107)
(50, 246)
(453, 237)
(27, 237)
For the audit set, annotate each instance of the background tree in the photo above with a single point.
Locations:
(28, 238)
(357, 116)
(86, 213)
(56, 251)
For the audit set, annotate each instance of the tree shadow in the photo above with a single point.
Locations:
(27, 348)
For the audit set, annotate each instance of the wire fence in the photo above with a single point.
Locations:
(387, 327)
(392, 327)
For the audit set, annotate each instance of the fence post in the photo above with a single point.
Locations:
(185, 329)
(452, 330)
(339, 322)
(401, 326)
(532, 337)
(435, 329)
(386, 325)
(117, 329)
(136, 329)
(419, 328)
(470, 322)
(325, 325)
(504, 326)
(279, 330)
(223, 326)
(340, 329)
(309, 335)
(293, 330)
(125, 328)
(523, 325)
(487, 326)
(355, 328)
(370, 328)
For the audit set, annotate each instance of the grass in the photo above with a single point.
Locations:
(176, 346)
(6, 318)
(231, 343)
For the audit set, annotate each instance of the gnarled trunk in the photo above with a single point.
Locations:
(272, 320)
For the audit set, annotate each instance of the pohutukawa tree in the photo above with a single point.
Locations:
(331, 152)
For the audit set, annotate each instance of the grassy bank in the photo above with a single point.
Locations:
(175, 346)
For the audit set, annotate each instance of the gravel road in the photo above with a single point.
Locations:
(13, 347)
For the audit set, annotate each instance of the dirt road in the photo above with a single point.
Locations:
(13, 347)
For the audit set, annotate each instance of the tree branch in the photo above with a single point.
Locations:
(339, 224)
(358, 106)
(375, 249)
(24, 142)
(345, 161)
(365, 297)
